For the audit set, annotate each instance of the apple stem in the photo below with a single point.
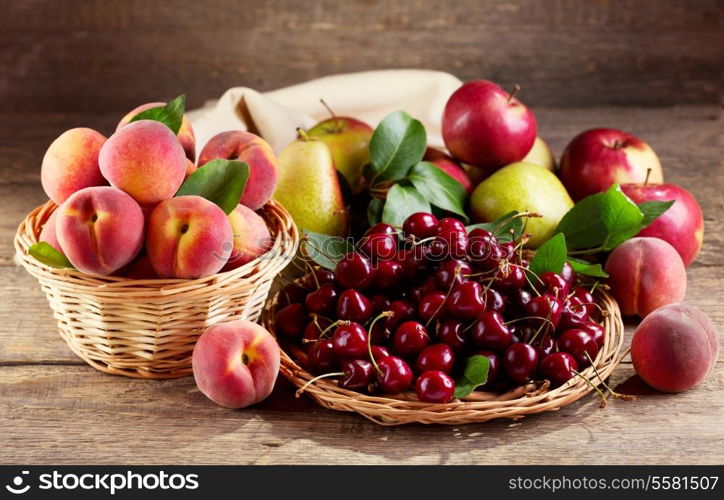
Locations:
(617, 144)
(514, 91)
(337, 125)
(648, 174)
(302, 134)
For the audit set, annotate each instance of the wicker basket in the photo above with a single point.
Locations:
(148, 328)
(480, 406)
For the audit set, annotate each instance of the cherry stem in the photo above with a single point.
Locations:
(614, 394)
(648, 174)
(514, 91)
(318, 377)
(604, 401)
(385, 314)
(339, 322)
(337, 125)
(502, 223)
(302, 135)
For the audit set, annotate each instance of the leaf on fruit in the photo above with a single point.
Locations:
(47, 254)
(398, 143)
(583, 225)
(439, 188)
(586, 268)
(474, 375)
(325, 250)
(403, 201)
(507, 228)
(170, 114)
(652, 210)
(621, 217)
(219, 181)
(550, 257)
(374, 211)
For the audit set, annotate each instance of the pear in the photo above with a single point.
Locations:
(541, 154)
(309, 189)
(524, 187)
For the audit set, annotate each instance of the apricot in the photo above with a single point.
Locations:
(674, 348)
(185, 134)
(251, 237)
(145, 160)
(48, 233)
(256, 152)
(645, 274)
(188, 237)
(100, 229)
(71, 163)
(235, 364)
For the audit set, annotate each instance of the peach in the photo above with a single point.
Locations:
(256, 152)
(645, 274)
(251, 237)
(48, 233)
(71, 163)
(145, 160)
(185, 134)
(235, 364)
(188, 237)
(190, 168)
(139, 269)
(100, 229)
(674, 347)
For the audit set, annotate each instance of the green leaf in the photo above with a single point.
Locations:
(219, 181)
(583, 225)
(47, 254)
(550, 256)
(621, 217)
(171, 114)
(586, 268)
(398, 143)
(438, 187)
(474, 375)
(374, 211)
(326, 250)
(652, 210)
(403, 201)
(508, 228)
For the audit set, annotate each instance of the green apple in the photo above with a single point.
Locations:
(541, 154)
(524, 187)
(348, 140)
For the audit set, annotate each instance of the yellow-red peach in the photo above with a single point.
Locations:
(251, 237)
(100, 229)
(71, 163)
(674, 347)
(145, 160)
(48, 233)
(645, 274)
(185, 133)
(235, 364)
(256, 152)
(190, 168)
(188, 237)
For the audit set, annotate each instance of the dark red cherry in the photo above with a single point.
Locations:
(568, 274)
(402, 310)
(293, 293)
(490, 332)
(431, 307)
(413, 261)
(520, 362)
(580, 345)
(451, 232)
(510, 278)
(586, 299)
(321, 357)
(315, 328)
(435, 386)
(489, 260)
(378, 246)
(573, 315)
(354, 306)
(436, 357)
(451, 272)
(410, 339)
(436, 252)
(558, 367)
(380, 303)
(421, 225)
(317, 278)
(354, 271)
(381, 228)
(494, 301)
(418, 292)
(508, 249)
(547, 311)
(596, 331)
(387, 275)
(516, 300)
(494, 366)
(466, 301)
(395, 375)
(480, 244)
(379, 333)
(379, 352)
(452, 333)
(323, 300)
(545, 345)
(554, 284)
(358, 374)
(350, 341)
(291, 320)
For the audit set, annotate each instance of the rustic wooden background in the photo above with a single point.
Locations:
(653, 67)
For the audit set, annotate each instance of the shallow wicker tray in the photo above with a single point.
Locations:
(148, 328)
(480, 406)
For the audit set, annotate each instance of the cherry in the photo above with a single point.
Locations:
(435, 386)
(436, 251)
(436, 357)
(315, 328)
(490, 332)
(317, 278)
(510, 278)
(394, 375)
(321, 357)
(413, 261)
(596, 331)
(546, 309)
(421, 225)
(520, 362)
(379, 333)
(354, 306)
(358, 374)
(494, 301)
(493, 366)
(402, 310)
(409, 339)
(381, 228)
(293, 293)
(450, 224)
(291, 320)
(558, 367)
(379, 352)
(426, 288)
(573, 315)
(452, 333)
(354, 271)
(568, 274)
(585, 298)
(431, 306)
(350, 341)
(489, 259)
(516, 300)
(387, 275)
(579, 344)
(451, 272)
(451, 232)
(466, 301)
(544, 345)
(380, 303)
(378, 246)
(323, 300)
(552, 282)
(508, 249)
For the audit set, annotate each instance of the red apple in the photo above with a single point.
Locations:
(486, 126)
(682, 225)
(450, 166)
(598, 158)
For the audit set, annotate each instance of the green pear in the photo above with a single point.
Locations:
(524, 187)
(541, 154)
(308, 187)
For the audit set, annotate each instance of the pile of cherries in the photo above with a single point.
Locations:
(410, 307)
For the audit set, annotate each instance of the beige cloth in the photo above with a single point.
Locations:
(368, 96)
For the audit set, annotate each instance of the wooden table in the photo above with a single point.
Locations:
(55, 409)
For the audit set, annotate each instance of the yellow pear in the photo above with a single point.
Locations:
(541, 154)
